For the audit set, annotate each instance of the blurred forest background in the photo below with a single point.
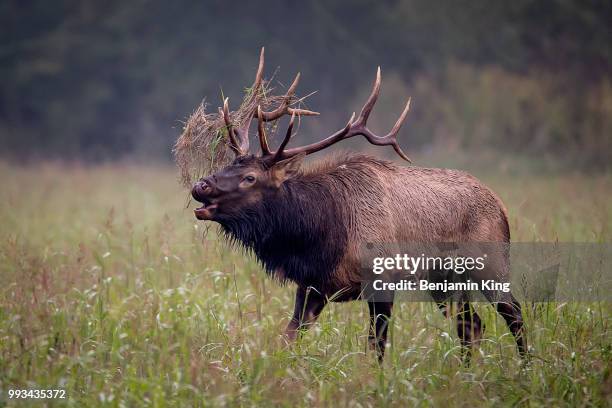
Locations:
(89, 80)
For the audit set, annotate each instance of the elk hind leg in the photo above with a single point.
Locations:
(512, 314)
(469, 328)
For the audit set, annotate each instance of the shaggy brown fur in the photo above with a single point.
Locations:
(311, 226)
(385, 203)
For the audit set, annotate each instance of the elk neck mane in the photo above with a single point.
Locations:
(300, 233)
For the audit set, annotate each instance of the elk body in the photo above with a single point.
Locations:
(309, 226)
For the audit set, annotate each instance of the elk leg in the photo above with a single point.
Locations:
(469, 328)
(380, 314)
(308, 306)
(469, 324)
(511, 312)
(442, 299)
(444, 307)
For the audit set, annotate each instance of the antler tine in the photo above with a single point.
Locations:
(279, 153)
(294, 84)
(231, 134)
(243, 131)
(284, 108)
(395, 131)
(390, 139)
(367, 108)
(260, 69)
(263, 140)
(358, 127)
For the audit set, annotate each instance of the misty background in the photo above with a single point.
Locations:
(90, 80)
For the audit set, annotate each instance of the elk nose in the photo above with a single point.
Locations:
(201, 188)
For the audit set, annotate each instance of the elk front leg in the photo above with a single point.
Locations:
(380, 314)
(308, 306)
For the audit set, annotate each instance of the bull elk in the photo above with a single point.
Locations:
(307, 226)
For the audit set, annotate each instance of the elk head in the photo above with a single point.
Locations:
(250, 179)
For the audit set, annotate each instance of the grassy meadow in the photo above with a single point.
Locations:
(111, 290)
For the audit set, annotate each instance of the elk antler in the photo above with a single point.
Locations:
(352, 128)
(284, 108)
(278, 155)
(263, 140)
(239, 137)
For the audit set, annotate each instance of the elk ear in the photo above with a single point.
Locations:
(285, 169)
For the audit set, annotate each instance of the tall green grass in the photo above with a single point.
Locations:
(111, 290)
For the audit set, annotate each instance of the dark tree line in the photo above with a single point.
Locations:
(90, 79)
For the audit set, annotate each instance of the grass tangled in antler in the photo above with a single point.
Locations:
(203, 145)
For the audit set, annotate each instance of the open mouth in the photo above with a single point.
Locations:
(206, 211)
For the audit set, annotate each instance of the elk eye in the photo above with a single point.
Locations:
(250, 179)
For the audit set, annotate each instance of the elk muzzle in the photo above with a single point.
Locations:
(203, 192)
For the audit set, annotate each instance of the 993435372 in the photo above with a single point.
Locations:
(36, 393)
